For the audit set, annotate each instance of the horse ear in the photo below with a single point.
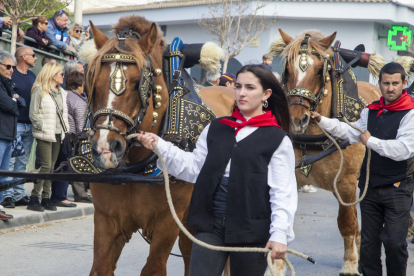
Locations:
(147, 41)
(286, 38)
(327, 41)
(98, 36)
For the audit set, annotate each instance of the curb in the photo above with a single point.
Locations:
(31, 217)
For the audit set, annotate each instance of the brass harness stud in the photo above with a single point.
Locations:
(157, 97)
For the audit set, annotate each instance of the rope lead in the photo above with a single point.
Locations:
(221, 248)
(342, 163)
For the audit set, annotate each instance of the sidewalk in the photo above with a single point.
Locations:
(24, 217)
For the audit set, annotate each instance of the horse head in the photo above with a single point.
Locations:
(127, 91)
(306, 76)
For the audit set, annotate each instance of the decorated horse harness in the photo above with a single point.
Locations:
(304, 93)
(345, 101)
(185, 117)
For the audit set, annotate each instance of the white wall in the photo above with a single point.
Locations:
(355, 23)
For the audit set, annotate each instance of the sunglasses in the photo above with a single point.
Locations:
(46, 23)
(34, 55)
(78, 31)
(8, 66)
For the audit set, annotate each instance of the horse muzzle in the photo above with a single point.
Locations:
(108, 154)
(300, 126)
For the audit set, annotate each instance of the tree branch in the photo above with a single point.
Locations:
(235, 23)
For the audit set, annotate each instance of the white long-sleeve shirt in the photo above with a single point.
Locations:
(281, 177)
(399, 149)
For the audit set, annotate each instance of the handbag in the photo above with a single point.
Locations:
(66, 147)
(17, 146)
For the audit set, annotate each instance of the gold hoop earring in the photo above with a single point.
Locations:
(265, 104)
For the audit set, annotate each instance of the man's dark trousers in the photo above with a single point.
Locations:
(385, 213)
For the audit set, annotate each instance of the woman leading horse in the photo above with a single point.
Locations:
(243, 167)
(125, 92)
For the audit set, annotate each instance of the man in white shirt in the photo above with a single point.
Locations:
(388, 127)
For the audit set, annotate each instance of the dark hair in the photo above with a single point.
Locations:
(223, 82)
(391, 69)
(59, 14)
(227, 77)
(74, 79)
(47, 59)
(278, 103)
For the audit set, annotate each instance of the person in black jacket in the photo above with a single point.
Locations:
(243, 168)
(9, 110)
(388, 126)
(38, 32)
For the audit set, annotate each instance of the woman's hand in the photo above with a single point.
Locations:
(147, 138)
(278, 249)
(45, 41)
(86, 36)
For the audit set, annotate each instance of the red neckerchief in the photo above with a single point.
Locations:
(266, 119)
(405, 102)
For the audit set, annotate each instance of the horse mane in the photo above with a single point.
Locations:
(291, 51)
(136, 24)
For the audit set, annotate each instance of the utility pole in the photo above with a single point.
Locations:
(78, 11)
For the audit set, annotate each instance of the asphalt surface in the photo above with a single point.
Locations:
(23, 217)
(57, 247)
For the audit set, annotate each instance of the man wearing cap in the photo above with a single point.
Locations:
(228, 80)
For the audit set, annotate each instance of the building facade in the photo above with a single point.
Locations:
(355, 21)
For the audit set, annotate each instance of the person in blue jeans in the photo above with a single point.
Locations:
(24, 80)
(9, 110)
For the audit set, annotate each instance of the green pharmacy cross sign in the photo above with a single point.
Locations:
(399, 38)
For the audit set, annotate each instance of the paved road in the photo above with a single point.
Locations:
(65, 247)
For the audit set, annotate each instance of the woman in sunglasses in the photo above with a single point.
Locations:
(75, 36)
(10, 104)
(48, 113)
(38, 33)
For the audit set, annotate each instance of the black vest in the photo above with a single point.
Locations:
(383, 170)
(248, 207)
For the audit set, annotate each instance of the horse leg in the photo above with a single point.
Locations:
(358, 245)
(349, 229)
(107, 246)
(185, 245)
(164, 235)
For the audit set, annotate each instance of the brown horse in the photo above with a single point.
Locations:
(122, 210)
(324, 171)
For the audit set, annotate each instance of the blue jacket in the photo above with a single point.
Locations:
(58, 36)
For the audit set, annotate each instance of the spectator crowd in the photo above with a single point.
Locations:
(40, 111)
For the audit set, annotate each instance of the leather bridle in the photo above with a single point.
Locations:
(118, 80)
(304, 93)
